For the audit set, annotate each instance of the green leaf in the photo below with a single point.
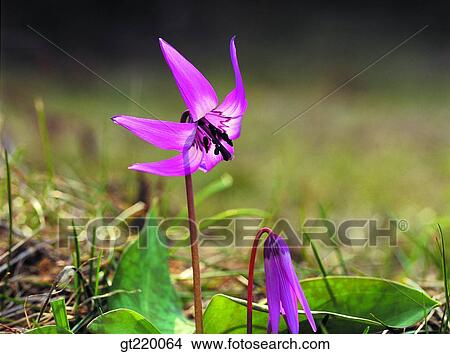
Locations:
(143, 283)
(59, 313)
(48, 330)
(391, 303)
(226, 314)
(121, 321)
(359, 302)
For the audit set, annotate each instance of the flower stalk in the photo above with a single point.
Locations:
(251, 271)
(195, 254)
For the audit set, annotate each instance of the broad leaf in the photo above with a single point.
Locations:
(48, 330)
(394, 304)
(226, 314)
(358, 302)
(121, 321)
(143, 284)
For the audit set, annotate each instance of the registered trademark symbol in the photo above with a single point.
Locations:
(403, 225)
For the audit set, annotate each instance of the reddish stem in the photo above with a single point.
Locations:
(195, 257)
(195, 254)
(251, 270)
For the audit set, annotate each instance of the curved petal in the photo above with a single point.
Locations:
(235, 103)
(291, 277)
(162, 134)
(300, 295)
(231, 126)
(273, 295)
(197, 92)
(288, 300)
(181, 165)
(302, 298)
(210, 160)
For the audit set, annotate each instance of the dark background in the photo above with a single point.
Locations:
(118, 31)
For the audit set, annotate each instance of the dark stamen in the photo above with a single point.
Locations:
(226, 138)
(225, 153)
(206, 143)
(215, 134)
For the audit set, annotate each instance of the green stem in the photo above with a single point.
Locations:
(195, 257)
(10, 219)
(77, 261)
(322, 269)
(445, 318)
(43, 130)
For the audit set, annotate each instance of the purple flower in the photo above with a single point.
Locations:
(207, 136)
(282, 286)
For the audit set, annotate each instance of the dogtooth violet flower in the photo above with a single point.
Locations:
(206, 137)
(282, 286)
(283, 289)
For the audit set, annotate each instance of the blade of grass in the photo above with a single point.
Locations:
(424, 246)
(10, 224)
(323, 215)
(323, 328)
(60, 313)
(84, 321)
(366, 330)
(234, 213)
(43, 131)
(97, 272)
(77, 262)
(10, 210)
(92, 256)
(223, 183)
(322, 268)
(445, 319)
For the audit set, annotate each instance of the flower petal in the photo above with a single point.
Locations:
(291, 277)
(288, 300)
(273, 295)
(231, 126)
(234, 105)
(269, 327)
(210, 159)
(163, 134)
(181, 165)
(301, 297)
(197, 92)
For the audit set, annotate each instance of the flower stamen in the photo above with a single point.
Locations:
(215, 135)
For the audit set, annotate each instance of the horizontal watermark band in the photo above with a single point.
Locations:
(191, 343)
(109, 233)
